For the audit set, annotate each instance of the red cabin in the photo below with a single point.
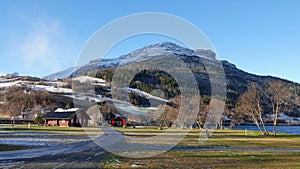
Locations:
(119, 122)
(67, 118)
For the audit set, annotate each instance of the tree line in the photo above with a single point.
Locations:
(259, 101)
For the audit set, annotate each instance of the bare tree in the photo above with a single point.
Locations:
(237, 117)
(279, 96)
(250, 104)
(95, 115)
(17, 100)
(214, 116)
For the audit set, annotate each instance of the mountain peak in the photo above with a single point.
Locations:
(157, 51)
(171, 47)
(164, 45)
(176, 49)
(206, 53)
(160, 48)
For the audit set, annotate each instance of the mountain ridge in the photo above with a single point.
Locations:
(163, 46)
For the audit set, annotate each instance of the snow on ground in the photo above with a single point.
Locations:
(120, 104)
(57, 84)
(50, 89)
(10, 84)
(91, 80)
(38, 138)
(147, 95)
(66, 110)
(4, 80)
(85, 79)
(136, 110)
(90, 98)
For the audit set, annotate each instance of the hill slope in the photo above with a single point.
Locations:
(201, 62)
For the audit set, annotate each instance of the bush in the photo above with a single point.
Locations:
(38, 120)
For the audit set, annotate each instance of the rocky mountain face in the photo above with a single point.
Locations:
(201, 62)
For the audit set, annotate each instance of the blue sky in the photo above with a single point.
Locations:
(41, 37)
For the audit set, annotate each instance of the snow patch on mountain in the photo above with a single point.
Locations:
(85, 79)
(156, 50)
(7, 84)
(144, 94)
(91, 80)
(51, 89)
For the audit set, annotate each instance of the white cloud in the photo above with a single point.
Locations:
(40, 46)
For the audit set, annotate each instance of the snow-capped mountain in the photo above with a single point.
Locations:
(200, 61)
(61, 74)
(158, 50)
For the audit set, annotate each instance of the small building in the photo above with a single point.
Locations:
(109, 117)
(73, 117)
(119, 122)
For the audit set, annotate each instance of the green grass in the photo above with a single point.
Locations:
(223, 138)
(214, 159)
(210, 159)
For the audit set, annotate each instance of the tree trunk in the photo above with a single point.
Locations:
(232, 124)
(275, 119)
(258, 126)
(275, 124)
(264, 127)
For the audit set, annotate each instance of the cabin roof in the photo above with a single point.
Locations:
(60, 115)
(66, 114)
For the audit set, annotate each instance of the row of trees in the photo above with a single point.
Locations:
(17, 100)
(257, 101)
(270, 98)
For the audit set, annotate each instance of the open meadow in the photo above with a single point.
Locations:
(225, 149)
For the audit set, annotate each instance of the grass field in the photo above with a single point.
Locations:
(223, 138)
(182, 158)
(215, 159)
